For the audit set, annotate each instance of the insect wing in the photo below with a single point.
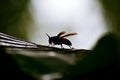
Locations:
(61, 33)
(71, 34)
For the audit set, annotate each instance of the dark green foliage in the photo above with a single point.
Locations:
(40, 66)
(9, 68)
(14, 17)
(111, 9)
(101, 63)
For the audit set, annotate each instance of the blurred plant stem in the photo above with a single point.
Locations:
(15, 17)
(111, 11)
(112, 14)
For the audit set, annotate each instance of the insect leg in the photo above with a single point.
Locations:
(70, 47)
(62, 46)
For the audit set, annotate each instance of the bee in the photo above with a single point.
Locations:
(60, 39)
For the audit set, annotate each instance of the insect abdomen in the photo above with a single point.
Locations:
(66, 41)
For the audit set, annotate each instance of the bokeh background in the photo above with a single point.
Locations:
(82, 16)
(96, 22)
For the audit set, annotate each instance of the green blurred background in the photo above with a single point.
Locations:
(15, 20)
(15, 17)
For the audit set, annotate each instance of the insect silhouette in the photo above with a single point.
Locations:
(60, 39)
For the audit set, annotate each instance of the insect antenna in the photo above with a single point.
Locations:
(48, 35)
(61, 33)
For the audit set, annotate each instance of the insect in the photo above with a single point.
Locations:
(60, 39)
